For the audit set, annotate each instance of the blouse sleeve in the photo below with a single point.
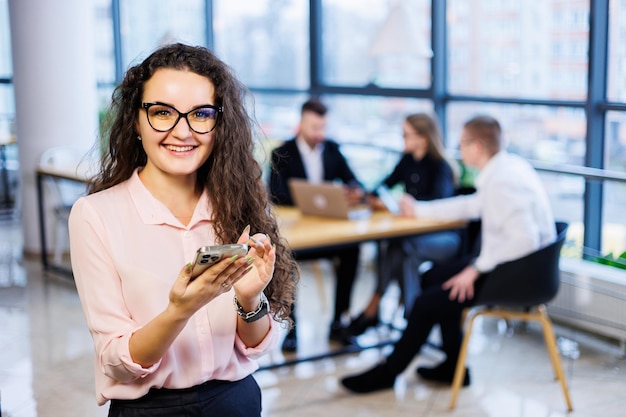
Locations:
(100, 292)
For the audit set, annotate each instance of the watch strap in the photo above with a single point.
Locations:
(254, 315)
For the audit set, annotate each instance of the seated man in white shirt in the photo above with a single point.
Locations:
(516, 219)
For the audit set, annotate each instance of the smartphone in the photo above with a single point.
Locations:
(210, 255)
(388, 199)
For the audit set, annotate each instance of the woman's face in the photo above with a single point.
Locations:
(414, 143)
(179, 151)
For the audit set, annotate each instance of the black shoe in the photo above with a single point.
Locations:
(444, 372)
(290, 344)
(376, 379)
(359, 325)
(339, 333)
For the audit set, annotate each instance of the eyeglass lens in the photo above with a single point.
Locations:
(163, 117)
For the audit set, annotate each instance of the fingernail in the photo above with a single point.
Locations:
(249, 259)
(232, 259)
(246, 230)
(188, 267)
(254, 240)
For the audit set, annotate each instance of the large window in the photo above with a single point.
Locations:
(375, 61)
(531, 48)
(265, 41)
(5, 41)
(7, 112)
(617, 51)
(104, 43)
(146, 24)
(7, 102)
(381, 43)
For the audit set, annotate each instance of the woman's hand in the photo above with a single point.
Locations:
(188, 296)
(263, 253)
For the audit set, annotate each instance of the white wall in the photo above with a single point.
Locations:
(55, 88)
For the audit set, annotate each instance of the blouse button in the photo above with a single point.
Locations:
(415, 178)
(187, 233)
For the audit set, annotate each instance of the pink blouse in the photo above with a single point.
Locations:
(127, 249)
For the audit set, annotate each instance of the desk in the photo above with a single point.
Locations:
(311, 232)
(70, 174)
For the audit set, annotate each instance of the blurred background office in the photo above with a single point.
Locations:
(552, 71)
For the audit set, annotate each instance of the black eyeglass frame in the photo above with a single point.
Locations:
(146, 106)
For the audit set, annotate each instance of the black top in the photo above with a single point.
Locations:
(425, 179)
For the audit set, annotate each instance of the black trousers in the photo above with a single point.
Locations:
(213, 398)
(433, 306)
(346, 261)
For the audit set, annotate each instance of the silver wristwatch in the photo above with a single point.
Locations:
(251, 316)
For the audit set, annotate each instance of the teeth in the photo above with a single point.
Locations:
(179, 148)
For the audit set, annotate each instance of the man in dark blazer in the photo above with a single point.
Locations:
(310, 155)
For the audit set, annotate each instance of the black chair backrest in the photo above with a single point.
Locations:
(528, 281)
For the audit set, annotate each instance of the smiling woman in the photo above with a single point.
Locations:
(166, 187)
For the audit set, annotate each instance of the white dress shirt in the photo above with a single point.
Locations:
(513, 206)
(312, 160)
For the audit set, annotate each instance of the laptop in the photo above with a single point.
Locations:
(326, 199)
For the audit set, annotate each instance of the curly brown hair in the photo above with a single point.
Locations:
(231, 174)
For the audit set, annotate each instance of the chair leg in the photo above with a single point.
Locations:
(459, 373)
(550, 340)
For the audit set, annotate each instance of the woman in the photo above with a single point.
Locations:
(425, 175)
(166, 344)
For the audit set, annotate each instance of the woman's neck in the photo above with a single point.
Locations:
(178, 193)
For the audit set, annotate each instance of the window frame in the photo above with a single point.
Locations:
(595, 106)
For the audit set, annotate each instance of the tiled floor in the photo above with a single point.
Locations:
(46, 359)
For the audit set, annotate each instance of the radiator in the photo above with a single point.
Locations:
(591, 297)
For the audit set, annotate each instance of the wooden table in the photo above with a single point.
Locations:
(311, 232)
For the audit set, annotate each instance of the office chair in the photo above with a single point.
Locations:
(519, 290)
(63, 193)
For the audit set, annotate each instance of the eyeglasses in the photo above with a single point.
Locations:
(163, 117)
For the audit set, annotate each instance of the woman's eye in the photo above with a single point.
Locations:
(204, 113)
(162, 112)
